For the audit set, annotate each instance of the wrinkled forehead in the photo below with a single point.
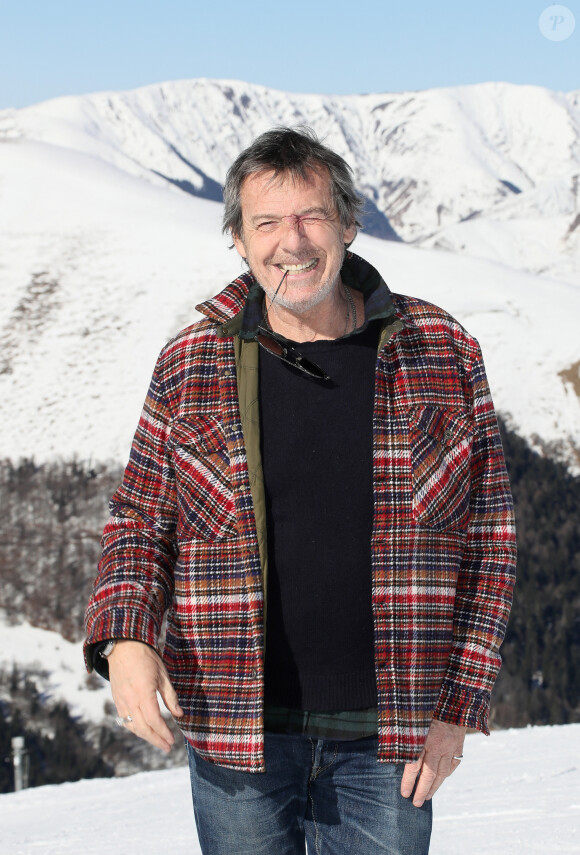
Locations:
(266, 184)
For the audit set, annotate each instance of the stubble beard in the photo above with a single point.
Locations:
(301, 305)
(298, 304)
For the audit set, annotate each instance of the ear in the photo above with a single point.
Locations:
(349, 234)
(239, 245)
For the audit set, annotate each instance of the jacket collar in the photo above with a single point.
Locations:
(238, 308)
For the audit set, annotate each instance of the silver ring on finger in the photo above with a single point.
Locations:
(458, 756)
(122, 721)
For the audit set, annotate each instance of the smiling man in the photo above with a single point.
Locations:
(317, 500)
(307, 245)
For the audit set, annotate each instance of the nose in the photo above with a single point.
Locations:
(294, 232)
(293, 221)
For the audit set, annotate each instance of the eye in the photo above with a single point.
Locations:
(267, 226)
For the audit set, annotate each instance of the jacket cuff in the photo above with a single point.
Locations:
(464, 706)
(118, 624)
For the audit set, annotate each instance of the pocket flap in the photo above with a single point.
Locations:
(204, 435)
(448, 427)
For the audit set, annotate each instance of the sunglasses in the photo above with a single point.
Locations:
(281, 348)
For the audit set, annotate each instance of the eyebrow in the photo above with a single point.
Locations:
(304, 213)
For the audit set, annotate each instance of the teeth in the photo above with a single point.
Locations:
(298, 268)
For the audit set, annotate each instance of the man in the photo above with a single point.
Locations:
(317, 498)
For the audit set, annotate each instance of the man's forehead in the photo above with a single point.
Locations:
(267, 183)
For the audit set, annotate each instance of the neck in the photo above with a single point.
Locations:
(323, 321)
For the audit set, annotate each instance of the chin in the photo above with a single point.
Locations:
(301, 304)
(305, 297)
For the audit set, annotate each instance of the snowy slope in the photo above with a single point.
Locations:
(58, 668)
(491, 170)
(516, 792)
(99, 268)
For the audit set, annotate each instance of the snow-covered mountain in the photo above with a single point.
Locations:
(57, 665)
(491, 170)
(110, 235)
(103, 256)
(515, 792)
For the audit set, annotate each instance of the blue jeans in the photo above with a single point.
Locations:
(333, 796)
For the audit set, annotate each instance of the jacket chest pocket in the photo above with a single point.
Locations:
(205, 498)
(440, 448)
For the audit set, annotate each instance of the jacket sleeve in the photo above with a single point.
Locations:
(487, 572)
(134, 584)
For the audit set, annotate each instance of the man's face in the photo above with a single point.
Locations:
(292, 225)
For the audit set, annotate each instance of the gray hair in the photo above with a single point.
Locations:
(295, 151)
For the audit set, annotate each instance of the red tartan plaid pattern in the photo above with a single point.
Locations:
(182, 537)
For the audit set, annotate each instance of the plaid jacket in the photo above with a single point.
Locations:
(187, 532)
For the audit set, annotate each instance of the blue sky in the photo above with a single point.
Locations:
(60, 47)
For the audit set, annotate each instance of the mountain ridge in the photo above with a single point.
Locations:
(428, 162)
(104, 257)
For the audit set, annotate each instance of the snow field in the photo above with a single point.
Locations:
(515, 792)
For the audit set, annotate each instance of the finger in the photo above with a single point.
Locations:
(425, 782)
(446, 767)
(410, 775)
(153, 719)
(170, 698)
(147, 718)
(139, 727)
(147, 723)
(436, 783)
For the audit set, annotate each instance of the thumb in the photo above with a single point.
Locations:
(169, 696)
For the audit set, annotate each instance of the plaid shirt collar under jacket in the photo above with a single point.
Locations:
(187, 532)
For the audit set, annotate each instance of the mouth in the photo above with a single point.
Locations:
(298, 268)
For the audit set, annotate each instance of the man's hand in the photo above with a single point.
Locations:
(435, 763)
(137, 673)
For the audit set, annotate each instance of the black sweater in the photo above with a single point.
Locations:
(317, 457)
